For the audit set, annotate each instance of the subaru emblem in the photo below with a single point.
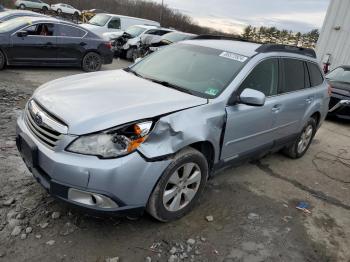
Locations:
(38, 119)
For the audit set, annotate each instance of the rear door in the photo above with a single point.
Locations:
(250, 128)
(71, 44)
(38, 47)
(294, 98)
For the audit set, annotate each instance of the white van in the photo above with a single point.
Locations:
(109, 23)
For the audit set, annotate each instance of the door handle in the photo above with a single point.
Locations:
(276, 108)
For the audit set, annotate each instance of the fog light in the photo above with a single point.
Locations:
(90, 199)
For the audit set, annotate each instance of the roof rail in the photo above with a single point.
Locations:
(265, 48)
(222, 37)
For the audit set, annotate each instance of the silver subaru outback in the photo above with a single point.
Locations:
(148, 137)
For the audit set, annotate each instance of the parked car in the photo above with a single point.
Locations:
(128, 43)
(149, 136)
(12, 14)
(65, 9)
(32, 4)
(109, 23)
(339, 79)
(44, 41)
(169, 39)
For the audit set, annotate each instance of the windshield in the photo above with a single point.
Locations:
(99, 19)
(135, 31)
(176, 37)
(10, 25)
(340, 74)
(201, 71)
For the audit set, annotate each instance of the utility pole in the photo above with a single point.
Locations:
(161, 13)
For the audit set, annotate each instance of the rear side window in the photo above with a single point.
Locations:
(294, 75)
(71, 31)
(263, 78)
(316, 77)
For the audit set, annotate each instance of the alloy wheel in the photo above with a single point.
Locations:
(305, 139)
(92, 62)
(182, 187)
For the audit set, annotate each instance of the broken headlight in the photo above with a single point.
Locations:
(112, 143)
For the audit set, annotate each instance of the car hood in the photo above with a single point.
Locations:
(93, 28)
(93, 102)
(340, 85)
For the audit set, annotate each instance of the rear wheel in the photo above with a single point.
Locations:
(180, 186)
(2, 60)
(45, 9)
(92, 62)
(22, 6)
(59, 11)
(302, 143)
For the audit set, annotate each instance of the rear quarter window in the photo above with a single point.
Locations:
(316, 77)
(71, 31)
(293, 75)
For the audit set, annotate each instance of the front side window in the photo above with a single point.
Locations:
(114, 23)
(41, 30)
(316, 77)
(294, 75)
(263, 78)
(201, 71)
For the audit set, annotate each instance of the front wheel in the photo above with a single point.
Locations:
(92, 62)
(22, 6)
(45, 9)
(303, 142)
(59, 11)
(180, 186)
(2, 60)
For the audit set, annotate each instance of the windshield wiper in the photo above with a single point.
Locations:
(173, 86)
(128, 69)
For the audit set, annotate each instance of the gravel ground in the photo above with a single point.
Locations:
(246, 214)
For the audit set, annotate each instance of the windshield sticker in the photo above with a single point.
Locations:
(212, 91)
(234, 56)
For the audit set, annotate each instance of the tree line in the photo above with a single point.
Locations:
(273, 35)
(174, 19)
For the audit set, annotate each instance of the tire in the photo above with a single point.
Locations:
(44, 9)
(92, 62)
(167, 209)
(76, 14)
(22, 6)
(130, 53)
(59, 11)
(303, 141)
(2, 60)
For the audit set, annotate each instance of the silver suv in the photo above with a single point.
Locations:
(148, 137)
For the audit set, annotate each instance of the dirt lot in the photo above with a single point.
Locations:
(253, 206)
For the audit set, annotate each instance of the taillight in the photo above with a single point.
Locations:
(329, 90)
(108, 45)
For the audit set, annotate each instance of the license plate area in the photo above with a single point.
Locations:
(28, 150)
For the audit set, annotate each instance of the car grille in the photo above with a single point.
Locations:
(46, 128)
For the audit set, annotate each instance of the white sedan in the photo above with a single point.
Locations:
(66, 9)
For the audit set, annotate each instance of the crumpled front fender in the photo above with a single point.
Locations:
(178, 130)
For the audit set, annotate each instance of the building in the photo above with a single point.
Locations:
(333, 46)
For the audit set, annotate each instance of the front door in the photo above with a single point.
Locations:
(250, 128)
(38, 45)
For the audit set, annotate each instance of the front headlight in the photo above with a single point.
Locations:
(114, 142)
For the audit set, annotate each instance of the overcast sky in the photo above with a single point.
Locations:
(234, 15)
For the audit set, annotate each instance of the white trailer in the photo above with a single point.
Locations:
(333, 46)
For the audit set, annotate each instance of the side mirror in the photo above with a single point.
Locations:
(22, 33)
(252, 97)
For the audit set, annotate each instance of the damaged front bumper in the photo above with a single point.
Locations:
(118, 186)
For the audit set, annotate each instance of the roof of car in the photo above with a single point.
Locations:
(244, 48)
(125, 16)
